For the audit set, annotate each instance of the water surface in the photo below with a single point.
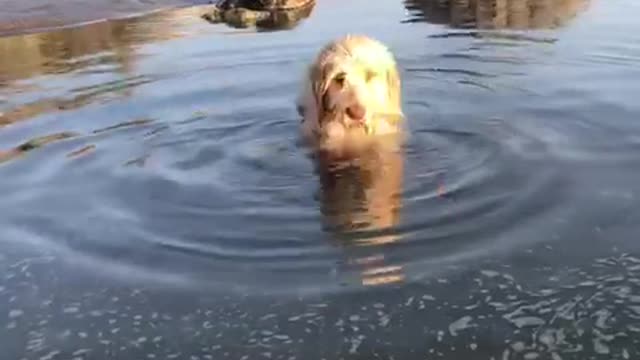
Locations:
(157, 204)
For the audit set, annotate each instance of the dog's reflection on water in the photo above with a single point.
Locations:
(360, 201)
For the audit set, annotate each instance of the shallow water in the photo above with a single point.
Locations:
(157, 204)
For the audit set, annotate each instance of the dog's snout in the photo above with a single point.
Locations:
(356, 112)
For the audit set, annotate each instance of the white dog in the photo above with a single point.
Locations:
(351, 91)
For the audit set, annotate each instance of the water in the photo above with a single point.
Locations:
(157, 204)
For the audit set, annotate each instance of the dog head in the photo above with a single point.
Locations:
(355, 83)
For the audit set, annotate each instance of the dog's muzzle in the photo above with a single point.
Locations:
(356, 112)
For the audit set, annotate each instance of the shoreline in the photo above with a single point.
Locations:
(36, 16)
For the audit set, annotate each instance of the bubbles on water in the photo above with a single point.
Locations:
(50, 356)
(15, 313)
(460, 324)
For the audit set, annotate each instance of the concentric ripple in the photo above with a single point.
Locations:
(153, 190)
(193, 174)
(252, 213)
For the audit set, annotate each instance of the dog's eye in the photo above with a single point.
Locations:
(340, 79)
(369, 75)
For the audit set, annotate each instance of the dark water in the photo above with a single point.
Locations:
(156, 203)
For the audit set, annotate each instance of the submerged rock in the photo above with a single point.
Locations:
(268, 14)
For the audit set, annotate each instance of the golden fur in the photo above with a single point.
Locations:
(351, 112)
(351, 91)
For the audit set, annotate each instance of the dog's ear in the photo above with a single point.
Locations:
(394, 87)
(320, 81)
(393, 84)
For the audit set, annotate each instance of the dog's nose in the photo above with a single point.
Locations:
(356, 112)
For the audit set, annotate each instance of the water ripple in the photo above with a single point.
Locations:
(474, 191)
(160, 157)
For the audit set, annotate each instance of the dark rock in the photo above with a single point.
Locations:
(265, 14)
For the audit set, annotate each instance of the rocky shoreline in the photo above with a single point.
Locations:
(266, 14)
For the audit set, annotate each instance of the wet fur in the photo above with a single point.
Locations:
(371, 81)
(359, 170)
